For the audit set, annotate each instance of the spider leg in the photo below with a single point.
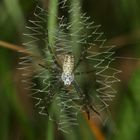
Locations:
(87, 106)
(85, 72)
(55, 58)
(43, 66)
(94, 110)
(49, 97)
(79, 61)
(47, 67)
(52, 51)
(48, 100)
(81, 58)
(88, 113)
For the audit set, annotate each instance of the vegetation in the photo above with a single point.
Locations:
(120, 21)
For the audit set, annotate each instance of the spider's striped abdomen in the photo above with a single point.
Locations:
(68, 64)
(68, 67)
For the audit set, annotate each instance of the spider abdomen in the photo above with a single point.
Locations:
(68, 64)
(68, 67)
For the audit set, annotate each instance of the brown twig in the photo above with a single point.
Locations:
(125, 39)
(14, 47)
(95, 129)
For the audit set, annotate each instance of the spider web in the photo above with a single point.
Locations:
(51, 98)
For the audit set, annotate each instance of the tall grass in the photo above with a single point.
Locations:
(16, 123)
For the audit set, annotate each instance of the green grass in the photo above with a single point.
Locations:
(118, 18)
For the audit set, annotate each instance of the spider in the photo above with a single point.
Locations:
(67, 69)
(64, 71)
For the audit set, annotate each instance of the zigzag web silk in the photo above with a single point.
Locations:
(52, 99)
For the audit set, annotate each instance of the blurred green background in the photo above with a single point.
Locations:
(120, 21)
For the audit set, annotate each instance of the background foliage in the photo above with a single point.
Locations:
(120, 21)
